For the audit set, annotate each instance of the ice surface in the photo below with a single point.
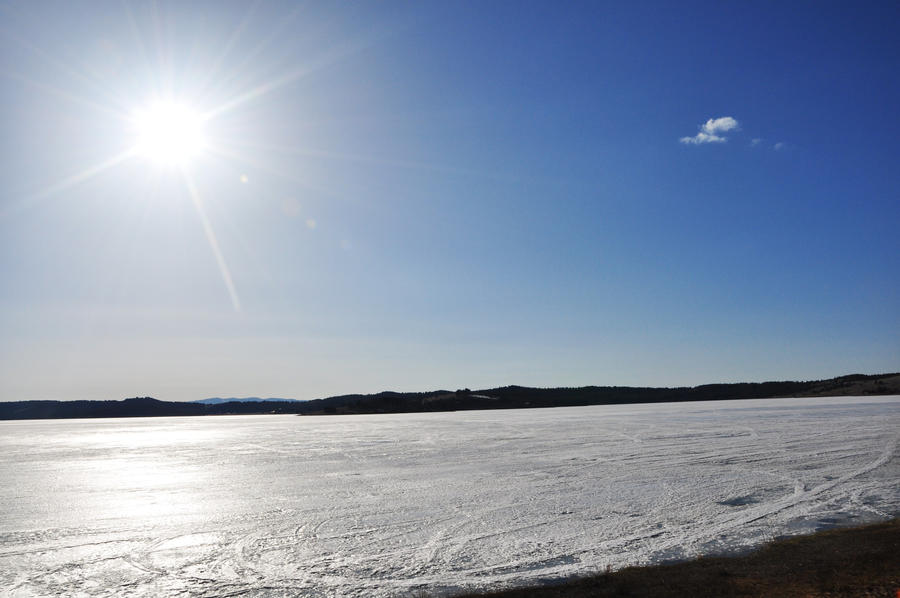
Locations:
(395, 504)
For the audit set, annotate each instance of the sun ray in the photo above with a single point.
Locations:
(235, 70)
(70, 181)
(248, 57)
(163, 57)
(336, 54)
(66, 69)
(136, 35)
(213, 241)
(213, 71)
(75, 99)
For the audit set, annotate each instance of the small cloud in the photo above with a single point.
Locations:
(702, 137)
(755, 141)
(717, 125)
(710, 131)
(311, 223)
(778, 146)
(244, 179)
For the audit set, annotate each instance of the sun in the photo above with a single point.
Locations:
(169, 133)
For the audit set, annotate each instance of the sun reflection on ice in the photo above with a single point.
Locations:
(128, 480)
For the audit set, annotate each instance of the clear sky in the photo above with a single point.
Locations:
(307, 199)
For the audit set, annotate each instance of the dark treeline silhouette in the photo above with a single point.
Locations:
(506, 397)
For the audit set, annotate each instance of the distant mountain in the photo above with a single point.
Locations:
(219, 401)
(506, 397)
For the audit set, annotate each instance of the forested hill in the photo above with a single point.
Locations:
(507, 397)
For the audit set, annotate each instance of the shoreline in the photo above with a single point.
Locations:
(839, 562)
(501, 398)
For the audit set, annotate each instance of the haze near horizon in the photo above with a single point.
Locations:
(303, 200)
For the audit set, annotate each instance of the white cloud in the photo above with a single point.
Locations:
(755, 141)
(702, 137)
(779, 146)
(722, 124)
(711, 129)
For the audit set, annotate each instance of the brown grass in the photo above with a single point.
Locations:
(851, 562)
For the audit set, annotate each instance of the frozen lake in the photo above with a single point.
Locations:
(393, 504)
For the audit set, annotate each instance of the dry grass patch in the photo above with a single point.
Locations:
(851, 562)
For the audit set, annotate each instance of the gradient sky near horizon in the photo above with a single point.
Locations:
(423, 195)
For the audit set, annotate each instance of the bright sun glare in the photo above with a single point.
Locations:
(169, 133)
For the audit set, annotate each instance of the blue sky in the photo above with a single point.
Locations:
(417, 195)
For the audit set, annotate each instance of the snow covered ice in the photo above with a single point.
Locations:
(390, 505)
